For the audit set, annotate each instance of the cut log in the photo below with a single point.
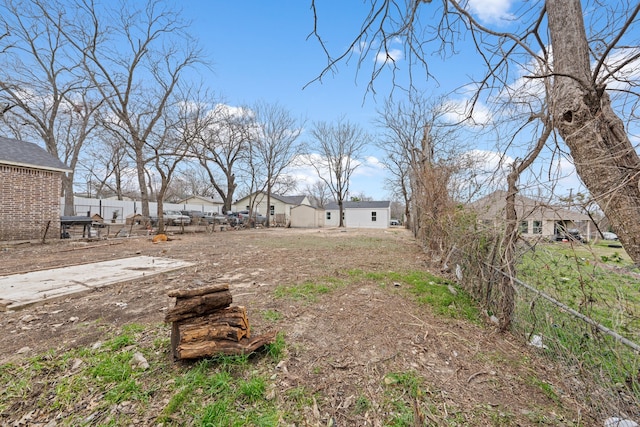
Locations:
(205, 325)
(200, 305)
(225, 347)
(187, 293)
(230, 323)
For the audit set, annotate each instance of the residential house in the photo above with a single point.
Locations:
(365, 214)
(30, 187)
(279, 212)
(535, 217)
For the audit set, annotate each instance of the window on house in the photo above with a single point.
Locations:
(373, 216)
(328, 216)
(524, 227)
(272, 210)
(248, 207)
(537, 227)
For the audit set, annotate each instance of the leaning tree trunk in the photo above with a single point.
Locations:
(604, 157)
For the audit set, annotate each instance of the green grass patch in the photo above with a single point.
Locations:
(86, 385)
(300, 396)
(406, 394)
(442, 295)
(275, 350)
(271, 315)
(597, 282)
(362, 405)
(223, 391)
(607, 293)
(308, 291)
(409, 382)
(547, 389)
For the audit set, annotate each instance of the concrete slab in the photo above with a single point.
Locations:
(19, 290)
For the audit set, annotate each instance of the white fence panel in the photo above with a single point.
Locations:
(122, 209)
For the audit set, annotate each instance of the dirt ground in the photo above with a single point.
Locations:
(355, 334)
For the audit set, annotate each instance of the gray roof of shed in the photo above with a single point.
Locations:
(359, 205)
(29, 155)
(291, 200)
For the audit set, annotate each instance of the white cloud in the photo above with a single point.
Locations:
(368, 177)
(390, 55)
(369, 166)
(566, 178)
(630, 71)
(226, 110)
(491, 10)
(460, 110)
(489, 162)
(482, 172)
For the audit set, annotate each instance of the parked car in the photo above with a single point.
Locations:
(258, 218)
(394, 222)
(607, 235)
(197, 217)
(234, 219)
(215, 218)
(175, 218)
(569, 234)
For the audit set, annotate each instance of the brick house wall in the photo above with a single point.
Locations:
(29, 200)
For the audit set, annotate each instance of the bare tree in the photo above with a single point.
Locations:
(137, 78)
(42, 85)
(181, 126)
(339, 147)
(415, 132)
(593, 60)
(195, 181)
(221, 147)
(319, 193)
(109, 165)
(275, 144)
(361, 197)
(285, 184)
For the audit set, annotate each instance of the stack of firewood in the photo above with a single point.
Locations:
(205, 324)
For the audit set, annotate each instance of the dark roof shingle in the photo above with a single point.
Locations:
(291, 200)
(27, 154)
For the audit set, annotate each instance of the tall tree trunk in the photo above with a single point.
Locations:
(508, 262)
(604, 157)
(161, 215)
(67, 189)
(268, 212)
(142, 182)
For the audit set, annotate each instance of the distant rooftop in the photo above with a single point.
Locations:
(291, 200)
(359, 205)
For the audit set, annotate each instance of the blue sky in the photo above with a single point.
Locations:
(263, 51)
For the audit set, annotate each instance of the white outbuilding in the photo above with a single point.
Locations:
(365, 214)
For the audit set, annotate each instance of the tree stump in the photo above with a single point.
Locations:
(205, 324)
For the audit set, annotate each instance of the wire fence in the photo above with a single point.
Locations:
(577, 304)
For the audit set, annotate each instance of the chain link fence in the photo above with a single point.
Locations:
(576, 303)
